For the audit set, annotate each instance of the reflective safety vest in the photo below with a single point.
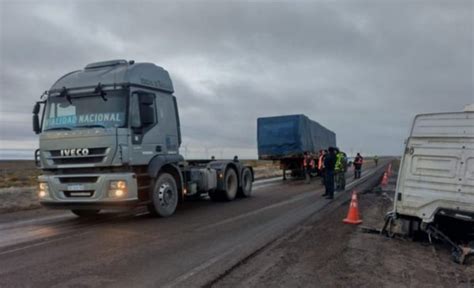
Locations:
(321, 162)
(339, 162)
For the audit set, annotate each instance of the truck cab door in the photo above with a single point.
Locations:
(145, 129)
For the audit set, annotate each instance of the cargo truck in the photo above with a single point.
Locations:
(286, 138)
(109, 137)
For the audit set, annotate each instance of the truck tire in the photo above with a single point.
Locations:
(231, 186)
(85, 213)
(164, 197)
(246, 190)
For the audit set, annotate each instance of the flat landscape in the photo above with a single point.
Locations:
(286, 235)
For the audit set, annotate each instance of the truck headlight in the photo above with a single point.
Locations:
(43, 189)
(118, 188)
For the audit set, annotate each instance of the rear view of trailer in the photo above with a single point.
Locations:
(287, 138)
(290, 136)
(437, 169)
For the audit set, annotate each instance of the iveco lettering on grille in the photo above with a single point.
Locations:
(75, 152)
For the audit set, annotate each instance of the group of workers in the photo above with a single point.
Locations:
(331, 165)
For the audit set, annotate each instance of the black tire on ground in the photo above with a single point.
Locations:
(231, 186)
(246, 190)
(86, 213)
(164, 197)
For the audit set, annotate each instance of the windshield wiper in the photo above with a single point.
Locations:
(58, 128)
(91, 126)
(65, 94)
(101, 92)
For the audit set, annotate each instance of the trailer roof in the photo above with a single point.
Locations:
(116, 72)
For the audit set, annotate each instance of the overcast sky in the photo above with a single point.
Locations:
(361, 68)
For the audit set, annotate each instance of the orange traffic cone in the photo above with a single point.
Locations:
(384, 179)
(353, 214)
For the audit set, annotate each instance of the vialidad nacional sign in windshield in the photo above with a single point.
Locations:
(112, 119)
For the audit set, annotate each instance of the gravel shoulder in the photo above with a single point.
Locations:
(18, 199)
(324, 252)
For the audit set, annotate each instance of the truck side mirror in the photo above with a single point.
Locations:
(36, 122)
(135, 121)
(36, 108)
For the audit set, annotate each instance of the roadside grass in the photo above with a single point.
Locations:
(18, 173)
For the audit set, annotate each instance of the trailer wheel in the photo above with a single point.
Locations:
(246, 189)
(164, 196)
(85, 213)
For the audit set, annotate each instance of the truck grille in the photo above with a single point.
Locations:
(96, 155)
(80, 194)
(87, 179)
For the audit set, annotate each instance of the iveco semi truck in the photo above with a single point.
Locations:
(109, 137)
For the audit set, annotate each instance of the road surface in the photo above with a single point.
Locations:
(198, 244)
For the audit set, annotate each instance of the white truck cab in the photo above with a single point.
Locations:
(437, 169)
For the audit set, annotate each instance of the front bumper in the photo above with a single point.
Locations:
(122, 204)
(88, 191)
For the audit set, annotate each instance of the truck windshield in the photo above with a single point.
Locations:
(86, 112)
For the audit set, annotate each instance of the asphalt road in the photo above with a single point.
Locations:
(198, 244)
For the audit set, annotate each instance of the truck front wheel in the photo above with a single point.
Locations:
(164, 196)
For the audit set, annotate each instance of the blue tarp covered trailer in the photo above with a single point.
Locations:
(290, 136)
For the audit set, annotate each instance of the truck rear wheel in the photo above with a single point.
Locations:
(231, 186)
(246, 189)
(164, 196)
(85, 213)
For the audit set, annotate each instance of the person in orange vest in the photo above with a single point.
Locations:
(358, 161)
(320, 161)
(308, 166)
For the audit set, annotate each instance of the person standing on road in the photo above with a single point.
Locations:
(329, 165)
(358, 161)
(308, 166)
(376, 160)
(321, 171)
(337, 168)
(320, 162)
(340, 171)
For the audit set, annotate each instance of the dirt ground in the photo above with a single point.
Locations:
(324, 252)
(18, 198)
(18, 173)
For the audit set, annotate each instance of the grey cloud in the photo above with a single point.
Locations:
(363, 69)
